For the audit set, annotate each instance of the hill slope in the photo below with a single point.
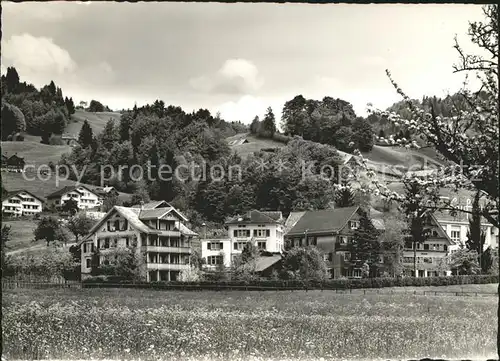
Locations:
(97, 121)
(34, 152)
(393, 156)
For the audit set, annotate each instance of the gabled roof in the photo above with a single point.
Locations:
(14, 193)
(153, 213)
(276, 215)
(130, 214)
(378, 224)
(62, 191)
(253, 216)
(323, 221)
(153, 205)
(437, 224)
(292, 220)
(264, 262)
(186, 231)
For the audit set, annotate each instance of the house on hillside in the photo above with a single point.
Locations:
(264, 228)
(160, 234)
(238, 141)
(21, 203)
(430, 256)
(70, 139)
(83, 195)
(15, 163)
(105, 192)
(331, 231)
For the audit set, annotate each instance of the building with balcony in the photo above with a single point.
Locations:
(264, 228)
(84, 196)
(331, 231)
(21, 203)
(159, 235)
(430, 256)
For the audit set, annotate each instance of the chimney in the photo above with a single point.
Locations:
(142, 205)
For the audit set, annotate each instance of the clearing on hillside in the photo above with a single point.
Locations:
(96, 120)
(35, 152)
(245, 144)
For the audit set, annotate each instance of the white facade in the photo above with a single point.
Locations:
(22, 204)
(85, 198)
(457, 231)
(265, 236)
(161, 240)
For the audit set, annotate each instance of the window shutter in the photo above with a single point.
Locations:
(98, 243)
(235, 233)
(221, 245)
(255, 233)
(235, 245)
(268, 233)
(209, 245)
(92, 247)
(85, 248)
(109, 225)
(248, 233)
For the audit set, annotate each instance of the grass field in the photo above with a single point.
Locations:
(21, 234)
(145, 324)
(34, 152)
(97, 121)
(254, 144)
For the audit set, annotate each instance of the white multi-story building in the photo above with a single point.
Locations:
(155, 231)
(457, 227)
(21, 203)
(264, 229)
(85, 197)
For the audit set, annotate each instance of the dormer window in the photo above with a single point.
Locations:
(353, 224)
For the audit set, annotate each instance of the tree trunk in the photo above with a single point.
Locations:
(414, 259)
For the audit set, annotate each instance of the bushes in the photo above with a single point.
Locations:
(332, 284)
(281, 138)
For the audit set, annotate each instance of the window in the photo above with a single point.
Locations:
(434, 233)
(427, 259)
(347, 256)
(407, 259)
(214, 260)
(455, 236)
(215, 246)
(241, 233)
(311, 241)
(126, 241)
(239, 245)
(261, 232)
(426, 247)
(261, 245)
(353, 224)
(85, 248)
(106, 243)
(343, 239)
(88, 262)
(445, 247)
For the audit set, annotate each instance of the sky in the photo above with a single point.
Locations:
(239, 58)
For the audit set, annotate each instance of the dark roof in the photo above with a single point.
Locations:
(152, 205)
(65, 190)
(264, 262)
(153, 213)
(253, 216)
(13, 193)
(328, 220)
(276, 215)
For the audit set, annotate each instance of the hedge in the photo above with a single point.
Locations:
(332, 284)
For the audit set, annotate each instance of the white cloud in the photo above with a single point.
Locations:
(36, 55)
(373, 60)
(236, 76)
(248, 106)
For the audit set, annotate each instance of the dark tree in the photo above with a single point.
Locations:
(254, 127)
(363, 134)
(86, 136)
(70, 206)
(365, 248)
(125, 123)
(50, 230)
(344, 197)
(268, 125)
(96, 106)
(12, 120)
(12, 80)
(475, 236)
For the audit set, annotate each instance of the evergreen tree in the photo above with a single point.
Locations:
(249, 252)
(268, 125)
(363, 134)
(344, 197)
(125, 123)
(475, 236)
(254, 127)
(12, 79)
(86, 136)
(109, 135)
(365, 248)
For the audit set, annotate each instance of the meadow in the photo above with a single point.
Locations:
(147, 324)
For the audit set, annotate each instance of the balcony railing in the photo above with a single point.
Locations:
(167, 249)
(167, 266)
